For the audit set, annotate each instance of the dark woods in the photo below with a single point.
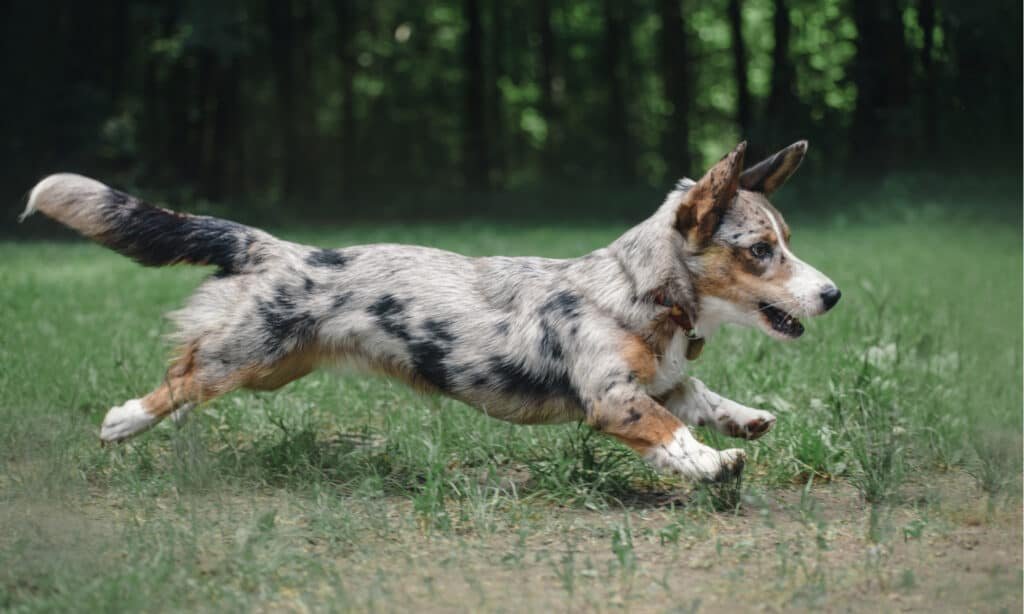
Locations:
(324, 104)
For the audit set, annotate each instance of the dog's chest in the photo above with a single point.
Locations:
(671, 365)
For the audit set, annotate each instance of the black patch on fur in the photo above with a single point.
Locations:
(428, 358)
(327, 258)
(550, 344)
(632, 417)
(309, 284)
(513, 378)
(389, 312)
(286, 326)
(341, 300)
(565, 304)
(155, 237)
(439, 329)
(502, 327)
(428, 351)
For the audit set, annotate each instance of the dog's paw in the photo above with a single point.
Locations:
(732, 462)
(123, 421)
(749, 424)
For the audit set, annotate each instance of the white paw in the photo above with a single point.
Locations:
(123, 421)
(693, 460)
(733, 461)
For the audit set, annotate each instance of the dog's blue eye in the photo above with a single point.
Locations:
(761, 250)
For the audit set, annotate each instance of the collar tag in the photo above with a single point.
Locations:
(694, 348)
(695, 343)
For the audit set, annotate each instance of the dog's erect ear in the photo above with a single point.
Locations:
(769, 174)
(704, 204)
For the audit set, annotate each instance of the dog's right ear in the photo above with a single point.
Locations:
(769, 174)
(705, 203)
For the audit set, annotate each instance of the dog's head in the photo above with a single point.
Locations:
(738, 248)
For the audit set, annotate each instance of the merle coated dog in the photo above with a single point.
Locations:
(603, 338)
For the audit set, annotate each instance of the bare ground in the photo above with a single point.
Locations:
(946, 548)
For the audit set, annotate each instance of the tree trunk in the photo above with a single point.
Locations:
(868, 76)
(495, 101)
(880, 72)
(345, 23)
(620, 144)
(926, 19)
(475, 161)
(774, 128)
(547, 85)
(281, 28)
(675, 79)
(739, 60)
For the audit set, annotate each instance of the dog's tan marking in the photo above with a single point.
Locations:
(733, 274)
(640, 358)
(272, 376)
(639, 422)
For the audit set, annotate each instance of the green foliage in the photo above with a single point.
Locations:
(340, 108)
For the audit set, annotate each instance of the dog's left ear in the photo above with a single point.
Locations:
(705, 203)
(769, 174)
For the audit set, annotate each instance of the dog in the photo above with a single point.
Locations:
(603, 338)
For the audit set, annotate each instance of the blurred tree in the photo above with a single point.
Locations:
(314, 101)
(616, 41)
(739, 58)
(475, 147)
(881, 74)
(675, 78)
(782, 100)
(926, 19)
(548, 108)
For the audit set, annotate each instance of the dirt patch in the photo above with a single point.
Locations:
(946, 549)
(824, 551)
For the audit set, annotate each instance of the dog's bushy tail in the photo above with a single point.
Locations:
(152, 236)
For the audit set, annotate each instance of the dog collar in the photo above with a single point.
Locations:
(682, 319)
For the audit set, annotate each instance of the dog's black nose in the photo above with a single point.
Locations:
(830, 296)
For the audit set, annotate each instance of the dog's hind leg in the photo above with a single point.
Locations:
(661, 438)
(187, 385)
(137, 415)
(184, 386)
(179, 393)
(693, 402)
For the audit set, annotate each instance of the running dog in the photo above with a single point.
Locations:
(602, 339)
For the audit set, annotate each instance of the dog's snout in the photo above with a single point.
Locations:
(830, 296)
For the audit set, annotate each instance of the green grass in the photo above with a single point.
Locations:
(349, 492)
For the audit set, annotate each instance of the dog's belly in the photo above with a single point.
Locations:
(528, 411)
(501, 399)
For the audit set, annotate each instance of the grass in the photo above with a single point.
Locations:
(898, 413)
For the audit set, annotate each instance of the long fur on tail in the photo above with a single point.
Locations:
(152, 236)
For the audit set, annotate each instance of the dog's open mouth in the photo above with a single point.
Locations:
(781, 322)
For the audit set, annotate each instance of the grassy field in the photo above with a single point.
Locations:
(891, 482)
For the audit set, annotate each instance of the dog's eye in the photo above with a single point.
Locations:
(761, 250)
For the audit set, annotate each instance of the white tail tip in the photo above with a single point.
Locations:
(62, 187)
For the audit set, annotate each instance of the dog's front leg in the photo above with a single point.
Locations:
(661, 438)
(693, 402)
